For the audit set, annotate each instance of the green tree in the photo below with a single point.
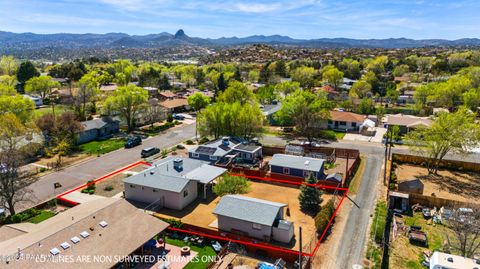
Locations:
(8, 65)
(231, 185)
(221, 83)
(366, 106)
(281, 68)
(198, 101)
(25, 72)
(128, 101)
(10, 81)
(471, 99)
(287, 87)
(164, 83)
(332, 76)
(266, 94)
(400, 70)
(450, 132)
(360, 89)
(351, 68)
(236, 92)
(148, 77)
(42, 86)
(253, 76)
(304, 75)
(87, 92)
(310, 197)
(18, 105)
(306, 110)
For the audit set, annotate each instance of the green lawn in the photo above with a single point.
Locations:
(59, 109)
(44, 214)
(102, 147)
(332, 135)
(202, 252)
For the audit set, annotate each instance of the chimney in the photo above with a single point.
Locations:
(178, 164)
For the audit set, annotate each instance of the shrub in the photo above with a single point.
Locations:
(108, 188)
(231, 185)
(189, 142)
(169, 118)
(176, 122)
(42, 169)
(92, 191)
(324, 216)
(173, 222)
(180, 146)
(203, 140)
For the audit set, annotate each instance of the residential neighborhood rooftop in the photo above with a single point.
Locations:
(408, 120)
(297, 162)
(346, 116)
(248, 209)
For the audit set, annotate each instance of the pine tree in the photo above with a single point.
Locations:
(310, 197)
(221, 83)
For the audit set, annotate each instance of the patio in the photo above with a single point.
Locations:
(173, 259)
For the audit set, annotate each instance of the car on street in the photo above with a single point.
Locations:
(147, 152)
(178, 117)
(133, 141)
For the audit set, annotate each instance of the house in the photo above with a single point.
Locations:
(253, 217)
(98, 129)
(407, 122)
(36, 100)
(175, 105)
(232, 147)
(347, 84)
(172, 182)
(345, 121)
(152, 92)
(297, 166)
(166, 95)
(440, 260)
(104, 227)
(332, 94)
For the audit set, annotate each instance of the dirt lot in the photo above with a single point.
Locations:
(405, 255)
(200, 214)
(453, 185)
(340, 166)
(116, 182)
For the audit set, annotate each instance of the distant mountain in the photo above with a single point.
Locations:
(31, 41)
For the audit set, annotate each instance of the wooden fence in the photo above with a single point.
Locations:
(432, 201)
(448, 164)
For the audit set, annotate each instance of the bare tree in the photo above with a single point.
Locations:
(466, 232)
(14, 181)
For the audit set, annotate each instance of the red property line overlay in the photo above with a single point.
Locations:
(223, 238)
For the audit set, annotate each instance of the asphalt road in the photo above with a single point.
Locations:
(72, 176)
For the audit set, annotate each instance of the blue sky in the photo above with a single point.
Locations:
(419, 19)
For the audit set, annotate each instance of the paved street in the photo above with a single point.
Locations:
(93, 168)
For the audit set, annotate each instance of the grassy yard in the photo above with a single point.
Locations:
(102, 147)
(202, 252)
(405, 255)
(44, 214)
(59, 109)
(357, 178)
(332, 135)
(374, 251)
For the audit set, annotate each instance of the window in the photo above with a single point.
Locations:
(132, 186)
(185, 193)
(330, 121)
(256, 226)
(155, 190)
(306, 173)
(342, 123)
(354, 124)
(213, 158)
(286, 171)
(195, 155)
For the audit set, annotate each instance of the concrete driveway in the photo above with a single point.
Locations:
(72, 176)
(377, 138)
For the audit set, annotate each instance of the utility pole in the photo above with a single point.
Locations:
(300, 251)
(386, 155)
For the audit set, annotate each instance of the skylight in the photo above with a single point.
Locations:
(54, 251)
(103, 224)
(84, 234)
(65, 245)
(75, 239)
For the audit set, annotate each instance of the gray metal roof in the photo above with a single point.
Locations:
(247, 147)
(297, 162)
(95, 123)
(271, 109)
(248, 209)
(216, 147)
(162, 175)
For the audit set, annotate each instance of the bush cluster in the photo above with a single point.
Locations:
(324, 216)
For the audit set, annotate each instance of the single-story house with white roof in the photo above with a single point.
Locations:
(172, 182)
(253, 217)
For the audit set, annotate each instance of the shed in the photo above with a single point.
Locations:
(411, 186)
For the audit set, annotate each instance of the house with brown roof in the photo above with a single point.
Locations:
(166, 95)
(407, 123)
(108, 227)
(175, 105)
(345, 121)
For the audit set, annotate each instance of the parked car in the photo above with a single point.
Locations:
(133, 141)
(287, 129)
(147, 152)
(178, 117)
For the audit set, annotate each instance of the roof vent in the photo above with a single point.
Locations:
(226, 141)
(152, 172)
(450, 259)
(178, 164)
(65, 245)
(75, 239)
(84, 234)
(307, 163)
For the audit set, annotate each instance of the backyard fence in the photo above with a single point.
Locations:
(448, 164)
(432, 201)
